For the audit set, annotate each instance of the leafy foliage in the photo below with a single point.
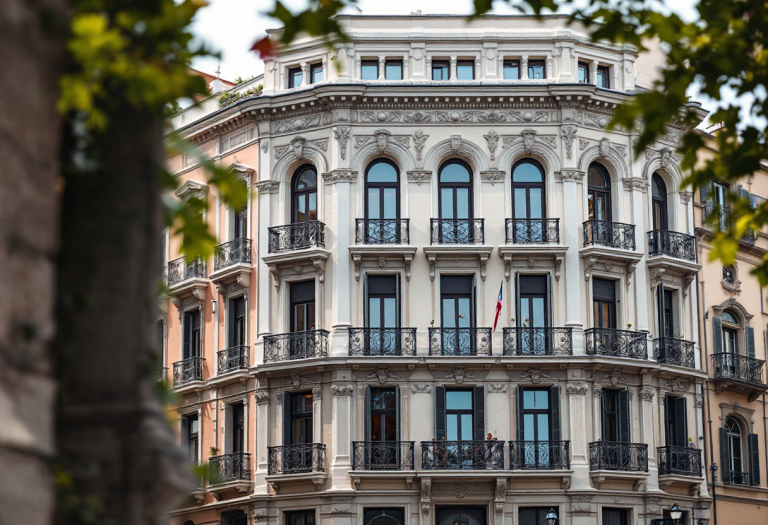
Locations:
(230, 97)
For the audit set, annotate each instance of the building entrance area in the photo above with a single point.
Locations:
(454, 515)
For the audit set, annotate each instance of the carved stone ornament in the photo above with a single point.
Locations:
(267, 187)
(458, 374)
(576, 389)
(317, 394)
(340, 510)
(497, 388)
(605, 148)
(295, 380)
(382, 140)
(647, 393)
(698, 401)
(615, 377)
(455, 143)
(535, 374)
(383, 374)
(421, 388)
(192, 189)
(419, 176)
(678, 386)
(342, 390)
(569, 134)
(265, 145)
(583, 144)
(340, 175)
(665, 156)
(461, 490)
(301, 123)
(261, 397)
(529, 138)
(492, 176)
(342, 137)
(597, 391)
(419, 140)
(570, 175)
(685, 197)
(492, 140)
(635, 184)
(297, 145)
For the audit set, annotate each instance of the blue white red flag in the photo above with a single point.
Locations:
(498, 306)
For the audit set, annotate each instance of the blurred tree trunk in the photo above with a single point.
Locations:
(31, 53)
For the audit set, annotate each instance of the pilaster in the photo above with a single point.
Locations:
(572, 181)
(577, 413)
(342, 437)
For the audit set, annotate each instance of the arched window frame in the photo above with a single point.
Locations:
(732, 328)
(296, 194)
(441, 185)
(394, 185)
(660, 202)
(528, 185)
(607, 190)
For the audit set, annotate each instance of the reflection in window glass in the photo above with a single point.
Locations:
(393, 70)
(511, 70)
(369, 70)
(465, 70)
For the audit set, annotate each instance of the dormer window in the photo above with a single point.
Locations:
(393, 70)
(316, 73)
(603, 75)
(465, 70)
(369, 70)
(440, 70)
(583, 73)
(294, 77)
(536, 70)
(511, 70)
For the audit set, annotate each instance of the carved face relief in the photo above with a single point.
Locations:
(666, 155)
(529, 137)
(605, 147)
(297, 145)
(382, 138)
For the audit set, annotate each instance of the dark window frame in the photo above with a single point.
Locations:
(454, 186)
(394, 62)
(310, 311)
(313, 70)
(382, 186)
(192, 343)
(585, 67)
(659, 203)
(675, 421)
(305, 418)
(528, 186)
(292, 74)
(623, 516)
(382, 413)
(466, 64)
(382, 295)
(539, 517)
(605, 191)
(455, 296)
(605, 73)
(511, 64)
(460, 412)
(238, 427)
(535, 64)
(542, 294)
(599, 302)
(441, 65)
(369, 63)
(237, 322)
(395, 513)
(299, 517)
(193, 438)
(304, 193)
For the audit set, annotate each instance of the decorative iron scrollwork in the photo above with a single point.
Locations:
(382, 455)
(616, 343)
(611, 455)
(382, 341)
(675, 351)
(457, 231)
(460, 341)
(297, 236)
(233, 358)
(538, 341)
(680, 461)
(231, 253)
(295, 459)
(532, 231)
(297, 345)
(539, 455)
(611, 234)
(673, 244)
(462, 455)
(382, 231)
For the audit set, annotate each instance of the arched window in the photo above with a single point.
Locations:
(659, 197)
(455, 202)
(528, 203)
(382, 203)
(599, 193)
(304, 194)
(384, 517)
(730, 332)
(735, 449)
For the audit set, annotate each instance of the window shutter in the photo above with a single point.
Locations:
(660, 302)
(753, 449)
(184, 434)
(367, 420)
(520, 429)
(717, 337)
(750, 342)
(479, 416)
(519, 321)
(624, 436)
(603, 422)
(187, 330)
(231, 314)
(554, 415)
(706, 190)
(397, 413)
(667, 415)
(287, 438)
(550, 321)
(681, 422)
(725, 456)
(439, 413)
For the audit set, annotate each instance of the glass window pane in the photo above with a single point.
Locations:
(465, 71)
(458, 400)
(375, 427)
(317, 74)
(583, 77)
(462, 203)
(542, 399)
(536, 204)
(390, 203)
(390, 428)
(446, 203)
(537, 320)
(374, 312)
(466, 427)
(525, 312)
(452, 427)
(439, 71)
(528, 399)
(454, 172)
(369, 71)
(374, 201)
(393, 71)
(511, 71)
(529, 431)
(449, 313)
(382, 172)
(526, 172)
(521, 203)
(390, 312)
(536, 72)
(543, 426)
(465, 316)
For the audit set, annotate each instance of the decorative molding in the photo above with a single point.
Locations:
(597, 391)
(317, 393)
(676, 385)
(529, 138)
(381, 116)
(421, 388)
(574, 389)
(635, 183)
(685, 197)
(535, 374)
(492, 176)
(192, 189)
(459, 374)
(569, 134)
(340, 175)
(301, 123)
(342, 137)
(583, 144)
(492, 141)
(498, 388)
(419, 140)
(342, 390)
(265, 145)
(383, 374)
(267, 187)
(615, 378)
(455, 143)
(461, 490)
(698, 400)
(261, 397)
(569, 175)
(419, 176)
(295, 380)
(647, 393)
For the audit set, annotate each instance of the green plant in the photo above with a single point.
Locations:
(214, 451)
(230, 97)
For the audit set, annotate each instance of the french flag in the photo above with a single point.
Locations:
(498, 306)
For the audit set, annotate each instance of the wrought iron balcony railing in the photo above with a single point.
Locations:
(190, 369)
(382, 231)
(680, 461)
(616, 343)
(723, 219)
(297, 236)
(532, 231)
(457, 231)
(180, 270)
(460, 341)
(611, 234)
(675, 351)
(296, 345)
(735, 477)
(674, 244)
(539, 455)
(738, 368)
(233, 358)
(382, 455)
(462, 455)
(296, 459)
(231, 253)
(611, 455)
(231, 467)
(538, 341)
(382, 341)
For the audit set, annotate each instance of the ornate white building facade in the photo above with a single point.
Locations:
(407, 181)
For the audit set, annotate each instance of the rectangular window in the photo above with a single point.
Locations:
(382, 420)
(302, 517)
(511, 70)
(536, 70)
(316, 73)
(583, 73)
(457, 313)
(193, 438)
(604, 303)
(240, 223)
(465, 70)
(238, 428)
(192, 334)
(538, 429)
(614, 516)
(603, 77)
(459, 415)
(294, 77)
(615, 416)
(302, 295)
(440, 70)
(237, 321)
(534, 306)
(299, 408)
(160, 335)
(393, 70)
(382, 301)
(535, 515)
(369, 70)
(676, 421)
(384, 516)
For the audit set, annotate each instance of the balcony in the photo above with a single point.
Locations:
(382, 231)
(232, 261)
(297, 236)
(462, 455)
(538, 341)
(532, 231)
(679, 461)
(297, 345)
(610, 234)
(723, 219)
(233, 359)
(230, 468)
(672, 244)
(539, 455)
(382, 342)
(457, 231)
(460, 341)
(382, 455)
(185, 278)
(188, 371)
(296, 459)
(673, 351)
(738, 373)
(627, 457)
(616, 343)
(735, 477)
